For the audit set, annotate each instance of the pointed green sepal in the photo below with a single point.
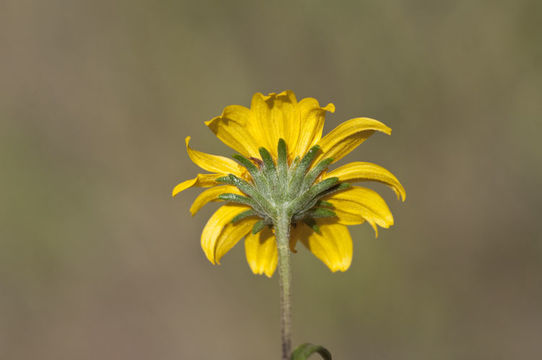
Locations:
(299, 172)
(292, 168)
(322, 213)
(262, 203)
(295, 162)
(302, 352)
(267, 159)
(323, 203)
(249, 165)
(331, 190)
(224, 180)
(315, 172)
(310, 222)
(323, 185)
(258, 226)
(343, 186)
(268, 165)
(259, 179)
(237, 199)
(312, 195)
(309, 157)
(227, 196)
(240, 184)
(315, 193)
(244, 215)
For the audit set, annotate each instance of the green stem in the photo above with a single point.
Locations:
(282, 232)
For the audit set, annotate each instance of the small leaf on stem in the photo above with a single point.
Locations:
(305, 350)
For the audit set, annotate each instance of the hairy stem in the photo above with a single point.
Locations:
(282, 232)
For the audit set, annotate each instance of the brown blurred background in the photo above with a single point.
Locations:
(97, 261)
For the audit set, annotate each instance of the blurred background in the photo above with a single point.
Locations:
(97, 261)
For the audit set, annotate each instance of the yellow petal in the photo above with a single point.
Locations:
(277, 116)
(312, 118)
(220, 234)
(347, 136)
(232, 128)
(271, 117)
(364, 171)
(212, 195)
(202, 180)
(357, 204)
(333, 246)
(213, 163)
(261, 252)
(285, 120)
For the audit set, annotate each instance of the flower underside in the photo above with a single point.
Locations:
(291, 189)
(282, 172)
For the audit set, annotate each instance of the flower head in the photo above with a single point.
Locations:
(282, 167)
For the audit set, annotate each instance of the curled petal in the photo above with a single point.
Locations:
(213, 163)
(311, 117)
(357, 204)
(365, 171)
(347, 136)
(220, 234)
(202, 180)
(261, 251)
(333, 246)
(212, 195)
(232, 128)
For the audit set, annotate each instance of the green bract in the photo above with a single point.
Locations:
(282, 188)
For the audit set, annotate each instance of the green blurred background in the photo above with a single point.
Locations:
(97, 261)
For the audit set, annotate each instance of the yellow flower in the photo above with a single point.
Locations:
(283, 165)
